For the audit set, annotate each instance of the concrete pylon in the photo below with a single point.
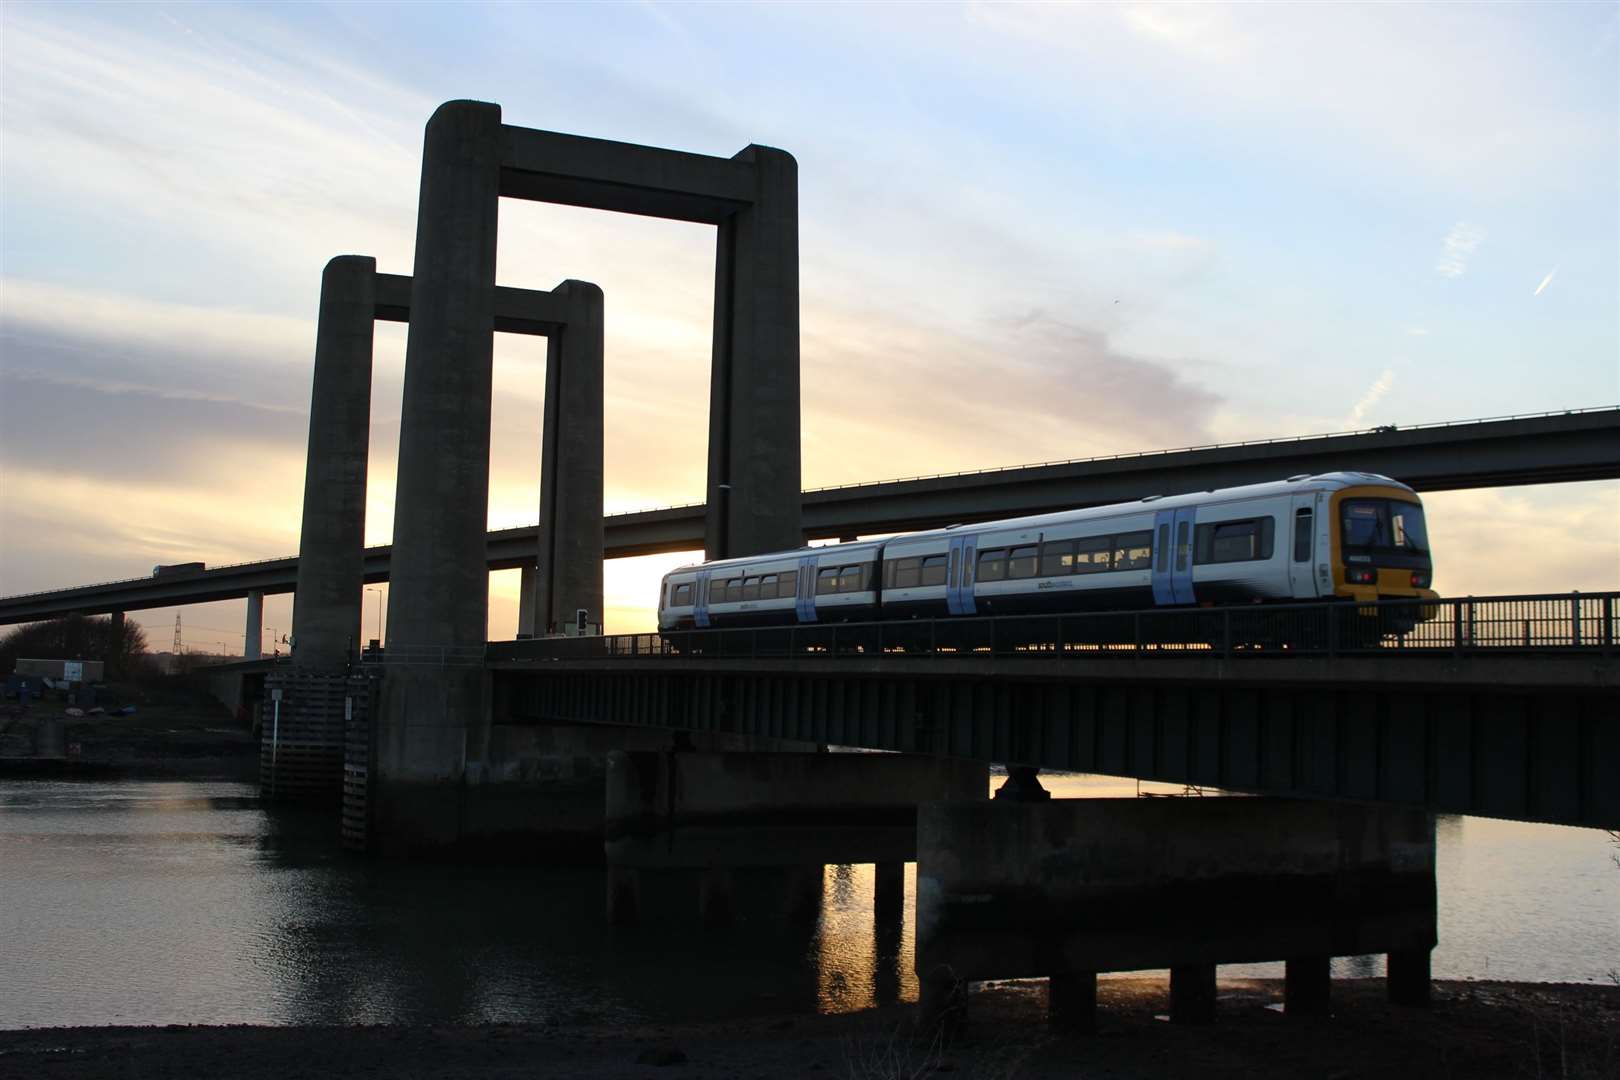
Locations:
(432, 698)
(331, 547)
(253, 633)
(753, 493)
(568, 574)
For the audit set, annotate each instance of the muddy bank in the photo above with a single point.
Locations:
(1473, 1029)
(169, 737)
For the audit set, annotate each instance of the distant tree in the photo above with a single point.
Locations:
(75, 637)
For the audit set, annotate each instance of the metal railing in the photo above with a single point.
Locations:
(1587, 623)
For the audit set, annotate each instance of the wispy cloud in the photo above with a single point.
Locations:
(1458, 248)
(1375, 393)
(1546, 281)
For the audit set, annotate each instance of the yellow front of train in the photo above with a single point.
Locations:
(1381, 548)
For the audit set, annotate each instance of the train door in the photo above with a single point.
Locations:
(1302, 547)
(1173, 556)
(959, 576)
(804, 602)
(700, 593)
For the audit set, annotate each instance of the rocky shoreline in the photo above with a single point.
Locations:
(1473, 1029)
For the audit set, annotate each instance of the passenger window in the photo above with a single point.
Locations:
(850, 579)
(1302, 535)
(767, 587)
(933, 570)
(1021, 562)
(907, 573)
(1164, 548)
(788, 584)
(683, 595)
(1182, 552)
(993, 564)
(1057, 558)
(1133, 551)
(827, 580)
(750, 589)
(1094, 555)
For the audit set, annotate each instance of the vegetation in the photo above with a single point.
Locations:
(77, 637)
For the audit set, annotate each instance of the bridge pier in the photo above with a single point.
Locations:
(1067, 888)
(720, 815)
(253, 632)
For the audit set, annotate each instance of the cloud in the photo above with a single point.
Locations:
(1546, 281)
(1458, 248)
(1373, 396)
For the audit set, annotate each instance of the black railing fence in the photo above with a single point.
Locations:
(1466, 625)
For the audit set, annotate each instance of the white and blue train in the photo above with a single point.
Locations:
(1340, 535)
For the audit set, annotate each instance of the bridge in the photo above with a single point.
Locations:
(1500, 706)
(1581, 444)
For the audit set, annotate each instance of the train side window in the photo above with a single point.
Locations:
(1057, 558)
(907, 573)
(1021, 562)
(933, 570)
(788, 584)
(850, 579)
(1164, 548)
(767, 586)
(1133, 551)
(1183, 551)
(1235, 541)
(993, 564)
(1302, 535)
(827, 580)
(683, 595)
(1094, 555)
(750, 589)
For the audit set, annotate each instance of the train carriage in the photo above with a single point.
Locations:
(1334, 536)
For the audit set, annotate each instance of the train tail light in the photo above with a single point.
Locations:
(1420, 579)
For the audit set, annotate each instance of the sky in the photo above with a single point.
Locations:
(1027, 233)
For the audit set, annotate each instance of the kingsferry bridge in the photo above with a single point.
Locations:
(1499, 706)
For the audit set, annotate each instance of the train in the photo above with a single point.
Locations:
(1347, 536)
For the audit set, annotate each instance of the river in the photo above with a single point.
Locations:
(191, 903)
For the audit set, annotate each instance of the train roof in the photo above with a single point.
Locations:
(1330, 481)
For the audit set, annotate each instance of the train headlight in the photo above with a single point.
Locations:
(1360, 575)
(1420, 579)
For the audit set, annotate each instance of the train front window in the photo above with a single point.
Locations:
(1383, 525)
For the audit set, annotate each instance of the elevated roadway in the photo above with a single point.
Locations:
(1541, 449)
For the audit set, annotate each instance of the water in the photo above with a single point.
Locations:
(157, 903)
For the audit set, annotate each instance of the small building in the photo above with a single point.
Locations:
(69, 671)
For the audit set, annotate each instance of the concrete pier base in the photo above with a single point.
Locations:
(1408, 977)
(1192, 994)
(1011, 889)
(1307, 986)
(721, 814)
(1071, 1002)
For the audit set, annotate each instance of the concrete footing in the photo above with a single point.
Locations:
(1307, 985)
(1068, 888)
(719, 814)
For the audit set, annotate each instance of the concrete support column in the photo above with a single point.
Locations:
(569, 574)
(1408, 977)
(331, 545)
(1192, 994)
(889, 892)
(438, 611)
(527, 583)
(1071, 1002)
(753, 486)
(1307, 985)
(253, 632)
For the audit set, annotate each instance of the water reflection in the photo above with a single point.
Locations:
(191, 903)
